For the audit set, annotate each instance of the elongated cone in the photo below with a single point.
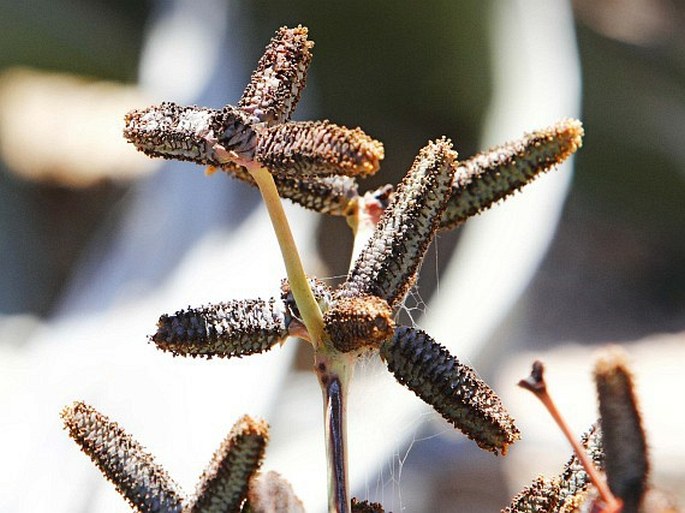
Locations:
(569, 491)
(359, 323)
(326, 195)
(540, 497)
(452, 388)
(232, 329)
(494, 174)
(223, 486)
(143, 483)
(322, 294)
(307, 148)
(625, 447)
(171, 131)
(366, 506)
(271, 493)
(277, 83)
(388, 263)
(574, 480)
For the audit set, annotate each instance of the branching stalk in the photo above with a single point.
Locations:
(315, 164)
(334, 369)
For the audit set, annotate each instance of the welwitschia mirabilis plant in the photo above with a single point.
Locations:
(317, 164)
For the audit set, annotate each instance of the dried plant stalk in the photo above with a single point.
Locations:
(277, 83)
(452, 388)
(585, 452)
(387, 264)
(318, 148)
(492, 175)
(223, 486)
(359, 323)
(143, 483)
(232, 329)
(625, 447)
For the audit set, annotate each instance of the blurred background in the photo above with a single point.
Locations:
(97, 241)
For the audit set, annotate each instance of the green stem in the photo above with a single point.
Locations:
(306, 303)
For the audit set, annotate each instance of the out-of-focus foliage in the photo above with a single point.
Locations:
(616, 270)
(97, 39)
(43, 228)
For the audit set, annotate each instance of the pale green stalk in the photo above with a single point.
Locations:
(306, 303)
